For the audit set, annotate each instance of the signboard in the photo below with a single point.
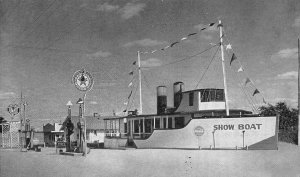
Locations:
(60, 144)
(83, 80)
(199, 131)
(13, 109)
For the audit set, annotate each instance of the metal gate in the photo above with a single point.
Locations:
(10, 137)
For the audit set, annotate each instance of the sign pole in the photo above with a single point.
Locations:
(298, 92)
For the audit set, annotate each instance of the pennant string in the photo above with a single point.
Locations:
(182, 39)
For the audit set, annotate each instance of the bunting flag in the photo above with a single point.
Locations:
(131, 73)
(134, 62)
(228, 47)
(241, 69)
(264, 101)
(124, 110)
(130, 84)
(184, 38)
(233, 58)
(192, 34)
(173, 44)
(130, 94)
(255, 92)
(247, 81)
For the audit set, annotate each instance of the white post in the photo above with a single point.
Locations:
(298, 92)
(84, 118)
(140, 82)
(223, 67)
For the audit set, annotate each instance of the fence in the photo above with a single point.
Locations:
(10, 136)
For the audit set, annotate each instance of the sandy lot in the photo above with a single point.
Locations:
(155, 162)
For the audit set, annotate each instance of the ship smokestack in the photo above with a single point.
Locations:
(161, 99)
(178, 88)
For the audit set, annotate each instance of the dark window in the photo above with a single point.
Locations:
(148, 125)
(179, 122)
(141, 125)
(170, 122)
(212, 95)
(165, 122)
(191, 99)
(136, 126)
(125, 127)
(157, 122)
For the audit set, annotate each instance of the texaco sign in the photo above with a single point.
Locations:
(13, 109)
(83, 80)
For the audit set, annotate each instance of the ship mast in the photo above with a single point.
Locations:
(223, 67)
(140, 82)
(298, 92)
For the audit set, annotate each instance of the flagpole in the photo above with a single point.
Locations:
(140, 82)
(298, 92)
(223, 67)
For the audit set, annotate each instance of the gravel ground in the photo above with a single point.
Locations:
(153, 162)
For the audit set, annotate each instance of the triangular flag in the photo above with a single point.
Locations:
(134, 63)
(228, 47)
(211, 24)
(184, 38)
(264, 101)
(241, 69)
(153, 51)
(203, 29)
(166, 47)
(130, 84)
(130, 94)
(233, 58)
(131, 73)
(247, 81)
(192, 34)
(255, 92)
(125, 110)
(173, 44)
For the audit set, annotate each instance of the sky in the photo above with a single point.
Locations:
(43, 43)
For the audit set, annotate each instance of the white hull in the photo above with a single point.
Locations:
(217, 133)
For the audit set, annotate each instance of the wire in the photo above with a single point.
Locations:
(207, 67)
(185, 58)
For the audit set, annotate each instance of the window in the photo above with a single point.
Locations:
(157, 123)
(148, 125)
(179, 122)
(141, 124)
(170, 122)
(125, 127)
(212, 95)
(136, 126)
(164, 122)
(191, 99)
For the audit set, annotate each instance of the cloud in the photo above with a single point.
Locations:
(288, 75)
(128, 11)
(297, 22)
(7, 95)
(145, 43)
(285, 54)
(99, 54)
(93, 102)
(131, 9)
(107, 7)
(151, 62)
